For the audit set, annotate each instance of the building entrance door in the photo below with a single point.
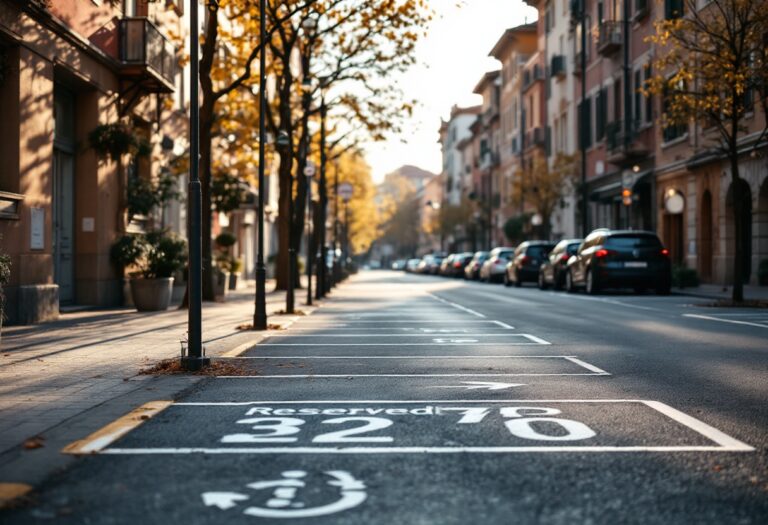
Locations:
(64, 195)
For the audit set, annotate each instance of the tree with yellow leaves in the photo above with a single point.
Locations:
(711, 70)
(540, 188)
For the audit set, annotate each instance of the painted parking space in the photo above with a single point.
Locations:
(414, 339)
(424, 427)
(400, 365)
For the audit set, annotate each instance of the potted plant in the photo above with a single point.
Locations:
(157, 255)
(235, 267)
(5, 277)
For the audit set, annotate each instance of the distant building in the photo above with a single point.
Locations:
(452, 132)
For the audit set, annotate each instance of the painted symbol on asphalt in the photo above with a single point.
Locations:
(483, 385)
(284, 504)
(443, 340)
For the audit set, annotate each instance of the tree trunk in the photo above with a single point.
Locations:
(286, 190)
(738, 228)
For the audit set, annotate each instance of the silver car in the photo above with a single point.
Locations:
(494, 267)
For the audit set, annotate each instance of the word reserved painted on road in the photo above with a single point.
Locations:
(375, 427)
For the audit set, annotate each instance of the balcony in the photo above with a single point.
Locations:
(621, 151)
(147, 57)
(609, 38)
(535, 138)
(577, 63)
(531, 76)
(558, 66)
(488, 160)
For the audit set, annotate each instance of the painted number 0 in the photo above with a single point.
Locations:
(521, 422)
(283, 430)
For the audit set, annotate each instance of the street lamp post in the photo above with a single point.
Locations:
(583, 119)
(194, 358)
(322, 284)
(309, 171)
(345, 190)
(260, 308)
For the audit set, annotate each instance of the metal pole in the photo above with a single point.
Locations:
(195, 359)
(345, 249)
(336, 268)
(260, 308)
(321, 285)
(583, 122)
(289, 293)
(309, 241)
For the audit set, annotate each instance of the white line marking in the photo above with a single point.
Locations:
(312, 376)
(346, 322)
(462, 308)
(702, 428)
(412, 357)
(503, 325)
(610, 301)
(708, 318)
(399, 402)
(434, 334)
(262, 345)
(535, 339)
(415, 450)
(587, 365)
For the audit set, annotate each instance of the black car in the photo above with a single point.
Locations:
(457, 264)
(620, 259)
(525, 263)
(553, 269)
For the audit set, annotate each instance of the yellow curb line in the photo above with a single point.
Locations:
(241, 348)
(116, 429)
(11, 491)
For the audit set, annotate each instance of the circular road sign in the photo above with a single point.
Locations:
(345, 191)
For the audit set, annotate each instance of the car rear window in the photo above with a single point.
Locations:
(633, 241)
(539, 250)
(573, 248)
(506, 254)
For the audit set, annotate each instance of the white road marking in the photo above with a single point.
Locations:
(316, 320)
(503, 325)
(462, 308)
(587, 366)
(708, 318)
(456, 342)
(535, 339)
(482, 385)
(314, 376)
(439, 334)
(420, 450)
(609, 301)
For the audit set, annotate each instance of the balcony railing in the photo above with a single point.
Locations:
(535, 138)
(620, 147)
(532, 75)
(558, 66)
(144, 48)
(609, 37)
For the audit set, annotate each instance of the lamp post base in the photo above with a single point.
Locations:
(260, 311)
(193, 364)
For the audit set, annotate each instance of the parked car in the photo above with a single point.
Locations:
(524, 264)
(620, 259)
(445, 264)
(552, 270)
(455, 267)
(472, 270)
(493, 269)
(399, 265)
(412, 265)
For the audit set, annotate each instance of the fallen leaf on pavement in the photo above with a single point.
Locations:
(34, 442)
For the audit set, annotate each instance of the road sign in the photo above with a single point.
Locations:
(309, 169)
(345, 191)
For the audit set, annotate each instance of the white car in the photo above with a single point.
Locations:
(493, 269)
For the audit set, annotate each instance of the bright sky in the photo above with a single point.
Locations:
(452, 58)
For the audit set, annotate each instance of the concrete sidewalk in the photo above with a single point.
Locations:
(56, 373)
(718, 291)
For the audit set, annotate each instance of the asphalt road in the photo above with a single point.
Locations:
(420, 400)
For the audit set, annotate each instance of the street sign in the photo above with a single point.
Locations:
(345, 191)
(309, 169)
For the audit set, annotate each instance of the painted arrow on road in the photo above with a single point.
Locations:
(223, 500)
(483, 385)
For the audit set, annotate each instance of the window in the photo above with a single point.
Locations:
(585, 123)
(673, 9)
(649, 98)
(601, 111)
(674, 131)
(617, 100)
(637, 115)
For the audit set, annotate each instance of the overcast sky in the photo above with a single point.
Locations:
(452, 58)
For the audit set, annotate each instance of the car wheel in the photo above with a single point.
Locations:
(542, 282)
(592, 286)
(557, 281)
(569, 287)
(507, 282)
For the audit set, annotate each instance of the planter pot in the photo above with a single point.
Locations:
(233, 281)
(151, 295)
(220, 285)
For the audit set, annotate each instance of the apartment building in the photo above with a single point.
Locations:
(513, 50)
(452, 132)
(68, 67)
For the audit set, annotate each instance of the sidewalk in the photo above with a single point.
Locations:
(718, 291)
(55, 373)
